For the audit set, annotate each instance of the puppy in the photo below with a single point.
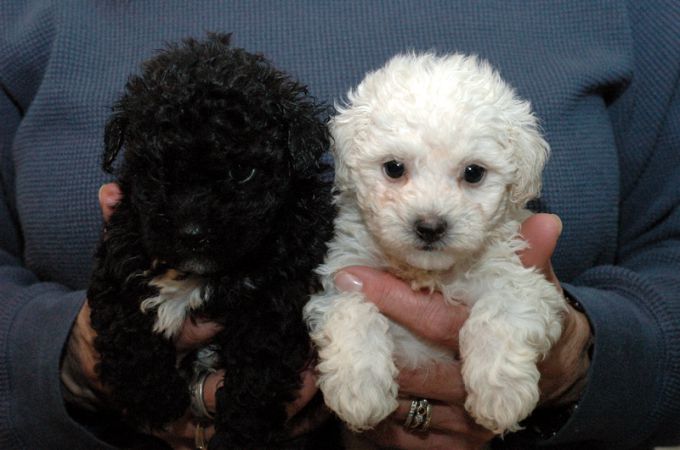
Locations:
(224, 215)
(435, 159)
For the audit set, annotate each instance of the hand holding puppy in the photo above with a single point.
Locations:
(429, 316)
(83, 386)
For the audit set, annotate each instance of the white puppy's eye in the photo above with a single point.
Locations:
(394, 169)
(473, 173)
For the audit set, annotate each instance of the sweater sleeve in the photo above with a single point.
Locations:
(633, 392)
(35, 316)
(35, 319)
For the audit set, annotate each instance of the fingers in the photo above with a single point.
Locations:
(305, 394)
(86, 335)
(452, 419)
(212, 382)
(442, 384)
(310, 420)
(450, 427)
(109, 196)
(393, 435)
(441, 381)
(78, 372)
(308, 390)
(83, 335)
(564, 370)
(196, 333)
(181, 434)
(307, 411)
(425, 314)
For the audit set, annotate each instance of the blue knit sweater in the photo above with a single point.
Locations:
(602, 76)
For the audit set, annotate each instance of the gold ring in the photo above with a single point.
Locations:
(199, 437)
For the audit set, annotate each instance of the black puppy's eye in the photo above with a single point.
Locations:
(241, 174)
(474, 173)
(394, 169)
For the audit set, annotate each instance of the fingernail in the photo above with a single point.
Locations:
(346, 282)
(108, 200)
(558, 221)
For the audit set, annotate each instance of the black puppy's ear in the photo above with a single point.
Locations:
(308, 139)
(114, 136)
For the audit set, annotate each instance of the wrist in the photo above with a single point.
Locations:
(564, 371)
(75, 388)
(563, 376)
(80, 386)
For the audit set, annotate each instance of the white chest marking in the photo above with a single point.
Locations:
(176, 297)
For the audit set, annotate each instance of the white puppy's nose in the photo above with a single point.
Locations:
(430, 229)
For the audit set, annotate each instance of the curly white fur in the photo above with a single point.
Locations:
(178, 294)
(436, 115)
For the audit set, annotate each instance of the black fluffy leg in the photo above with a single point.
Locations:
(263, 359)
(139, 368)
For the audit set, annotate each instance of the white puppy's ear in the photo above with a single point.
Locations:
(339, 143)
(344, 128)
(530, 152)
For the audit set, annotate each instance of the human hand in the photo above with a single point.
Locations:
(181, 434)
(439, 322)
(563, 371)
(84, 388)
(78, 371)
(429, 316)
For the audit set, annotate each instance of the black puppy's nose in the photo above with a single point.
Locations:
(430, 230)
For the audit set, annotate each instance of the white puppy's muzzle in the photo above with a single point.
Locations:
(430, 230)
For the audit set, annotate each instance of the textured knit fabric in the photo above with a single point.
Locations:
(602, 76)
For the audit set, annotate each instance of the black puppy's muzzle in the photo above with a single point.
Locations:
(194, 236)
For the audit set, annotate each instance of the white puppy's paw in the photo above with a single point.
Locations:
(356, 368)
(500, 407)
(500, 376)
(501, 343)
(363, 402)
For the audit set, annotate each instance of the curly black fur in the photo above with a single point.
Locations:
(221, 178)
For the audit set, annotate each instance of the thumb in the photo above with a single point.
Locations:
(542, 232)
(109, 196)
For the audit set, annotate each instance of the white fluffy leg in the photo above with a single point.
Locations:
(356, 369)
(501, 342)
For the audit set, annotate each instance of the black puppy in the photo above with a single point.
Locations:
(224, 215)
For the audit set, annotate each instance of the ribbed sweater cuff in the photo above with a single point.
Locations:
(629, 370)
(38, 334)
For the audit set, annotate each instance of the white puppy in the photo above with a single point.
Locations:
(435, 159)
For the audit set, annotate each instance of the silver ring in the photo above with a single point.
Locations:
(419, 415)
(198, 408)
